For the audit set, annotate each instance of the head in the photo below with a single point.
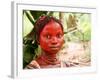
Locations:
(49, 34)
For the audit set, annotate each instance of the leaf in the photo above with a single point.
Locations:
(37, 14)
(29, 17)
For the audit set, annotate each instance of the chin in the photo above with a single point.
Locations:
(54, 51)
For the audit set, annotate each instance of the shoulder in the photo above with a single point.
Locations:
(33, 65)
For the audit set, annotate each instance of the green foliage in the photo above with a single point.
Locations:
(36, 14)
(78, 26)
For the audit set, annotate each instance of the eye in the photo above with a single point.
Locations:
(59, 35)
(48, 36)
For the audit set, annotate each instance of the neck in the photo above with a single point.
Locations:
(49, 58)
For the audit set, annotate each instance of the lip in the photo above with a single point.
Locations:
(54, 47)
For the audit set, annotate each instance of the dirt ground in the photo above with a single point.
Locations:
(76, 52)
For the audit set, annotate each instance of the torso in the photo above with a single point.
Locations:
(48, 64)
(43, 63)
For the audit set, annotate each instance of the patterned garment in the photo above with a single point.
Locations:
(35, 65)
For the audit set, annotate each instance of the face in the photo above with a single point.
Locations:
(51, 38)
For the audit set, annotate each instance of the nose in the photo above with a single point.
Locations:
(54, 40)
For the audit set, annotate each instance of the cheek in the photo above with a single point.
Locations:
(61, 42)
(44, 43)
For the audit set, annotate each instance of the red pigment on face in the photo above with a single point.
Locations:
(51, 38)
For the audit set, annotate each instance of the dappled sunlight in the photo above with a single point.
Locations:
(75, 52)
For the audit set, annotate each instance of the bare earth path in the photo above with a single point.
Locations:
(76, 52)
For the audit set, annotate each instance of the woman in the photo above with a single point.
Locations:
(49, 35)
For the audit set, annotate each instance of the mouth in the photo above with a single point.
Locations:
(55, 48)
